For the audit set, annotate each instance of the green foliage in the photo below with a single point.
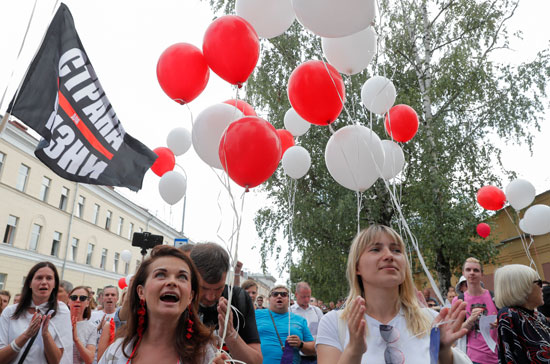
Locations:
(438, 54)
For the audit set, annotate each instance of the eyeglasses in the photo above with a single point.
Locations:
(282, 294)
(390, 335)
(76, 298)
(538, 282)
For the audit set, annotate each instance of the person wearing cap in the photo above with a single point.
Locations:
(462, 285)
(273, 325)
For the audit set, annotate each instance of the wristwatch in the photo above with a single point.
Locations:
(301, 344)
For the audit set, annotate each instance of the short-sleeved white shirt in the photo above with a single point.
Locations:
(115, 355)
(415, 349)
(59, 328)
(87, 334)
(312, 314)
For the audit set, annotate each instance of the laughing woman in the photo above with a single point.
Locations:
(163, 326)
(382, 321)
(38, 328)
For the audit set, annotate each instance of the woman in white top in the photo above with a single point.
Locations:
(163, 325)
(39, 327)
(84, 332)
(382, 321)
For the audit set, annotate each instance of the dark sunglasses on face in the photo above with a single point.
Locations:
(538, 282)
(75, 298)
(282, 294)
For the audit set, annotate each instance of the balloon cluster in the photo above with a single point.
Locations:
(519, 194)
(231, 136)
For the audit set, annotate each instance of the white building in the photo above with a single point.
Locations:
(80, 228)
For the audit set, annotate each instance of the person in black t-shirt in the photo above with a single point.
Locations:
(242, 339)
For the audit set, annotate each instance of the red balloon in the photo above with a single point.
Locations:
(182, 72)
(122, 283)
(231, 48)
(483, 230)
(165, 161)
(245, 107)
(316, 94)
(402, 123)
(287, 140)
(491, 198)
(250, 151)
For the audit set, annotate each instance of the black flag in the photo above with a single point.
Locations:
(62, 100)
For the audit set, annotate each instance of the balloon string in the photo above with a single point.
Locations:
(359, 198)
(291, 187)
(526, 246)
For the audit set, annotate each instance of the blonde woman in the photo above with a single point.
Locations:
(523, 333)
(382, 321)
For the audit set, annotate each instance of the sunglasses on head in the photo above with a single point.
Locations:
(282, 294)
(76, 298)
(538, 282)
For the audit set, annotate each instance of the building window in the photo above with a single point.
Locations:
(22, 177)
(96, 213)
(140, 229)
(35, 236)
(44, 188)
(74, 249)
(126, 268)
(9, 235)
(120, 224)
(103, 258)
(56, 242)
(80, 206)
(64, 198)
(2, 160)
(89, 254)
(130, 231)
(115, 262)
(108, 220)
(3, 278)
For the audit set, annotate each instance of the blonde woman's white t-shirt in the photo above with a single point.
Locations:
(415, 349)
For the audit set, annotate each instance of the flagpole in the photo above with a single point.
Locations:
(4, 122)
(69, 232)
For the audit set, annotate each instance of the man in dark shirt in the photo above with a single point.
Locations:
(242, 339)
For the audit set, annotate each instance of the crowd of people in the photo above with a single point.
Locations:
(179, 309)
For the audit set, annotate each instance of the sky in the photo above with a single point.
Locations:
(124, 40)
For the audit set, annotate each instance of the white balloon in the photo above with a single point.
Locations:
(537, 220)
(378, 94)
(394, 159)
(179, 141)
(295, 124)
(269, 18)
(334, 19)
(126, 256)
(296, 162)
(522, 226)
(208, 130)
(172, 186)
(351, 54)
(354, 155)
(520, 193)
(128, 278)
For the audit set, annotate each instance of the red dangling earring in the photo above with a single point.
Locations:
(141, 323)
(189, 323)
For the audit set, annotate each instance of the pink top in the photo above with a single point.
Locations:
(478, 351)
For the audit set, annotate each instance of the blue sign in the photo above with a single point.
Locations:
(180, 241)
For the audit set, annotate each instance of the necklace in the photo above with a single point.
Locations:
(536, 324)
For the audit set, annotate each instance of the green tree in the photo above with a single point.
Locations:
(439, 55)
